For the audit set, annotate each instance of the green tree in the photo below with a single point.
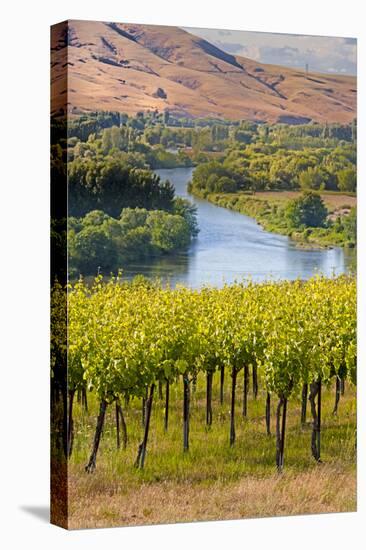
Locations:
(243, 136)
(347, 179)
(207, 176)
(169, 232)
(111, 184)
(350, 226)
(226, 185)
(133, 217)
(93, 247)
(95, 217)
(136, 243)
(312, 178)
(188, 211)
(308, 210)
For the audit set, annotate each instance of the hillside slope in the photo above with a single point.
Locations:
(128, 68)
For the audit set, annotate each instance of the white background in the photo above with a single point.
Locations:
(24, 218)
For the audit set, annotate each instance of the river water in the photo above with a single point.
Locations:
(231, 246)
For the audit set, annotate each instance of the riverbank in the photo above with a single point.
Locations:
(268, 209)
(231, 246)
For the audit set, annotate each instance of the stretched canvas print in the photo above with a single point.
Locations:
(203, 287)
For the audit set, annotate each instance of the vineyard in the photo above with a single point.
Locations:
(135, 344)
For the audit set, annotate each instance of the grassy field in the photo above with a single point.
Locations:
(332, 200)
(212, 481)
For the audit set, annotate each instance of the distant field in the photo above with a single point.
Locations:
(333, 201)
(213, 480)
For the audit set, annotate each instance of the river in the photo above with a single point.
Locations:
(231, 246)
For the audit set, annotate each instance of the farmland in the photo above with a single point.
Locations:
(245, 387)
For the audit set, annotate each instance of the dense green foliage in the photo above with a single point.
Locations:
(124, 337)
(130, 145)
(256, 156)
(230, 156)
(283, 217)
(261, 166)
(82, 126)
(99, 241)
(293, 331)
(308, 210)
(111, 184)
(109, 175)
(110, 157)
(263, 157)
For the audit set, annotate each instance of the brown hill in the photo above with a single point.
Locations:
(130, 68)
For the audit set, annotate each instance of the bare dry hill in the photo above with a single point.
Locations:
(129, 68)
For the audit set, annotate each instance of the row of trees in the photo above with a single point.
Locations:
(128, 144)
(85, 124)
(203, 139)
(273, 153)
(262, 167)
(126, 338)
(248, 156)
(245, 131)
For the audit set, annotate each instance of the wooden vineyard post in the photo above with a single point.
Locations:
(222, 379)
(117, 426)
(232, 413)
(304, 400)
(166, 415)
(186, 403)
(209, 377)
(70, 426)
(90, 467)
(337, 395)
(123, 425)
(141, 455)
(315, 391)
(255, 381)
(281, 432)
(268, 413)
(245, 390)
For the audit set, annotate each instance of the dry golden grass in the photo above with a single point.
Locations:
(121, 68)
(325, 489)
(333, 201)
(212, 481)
